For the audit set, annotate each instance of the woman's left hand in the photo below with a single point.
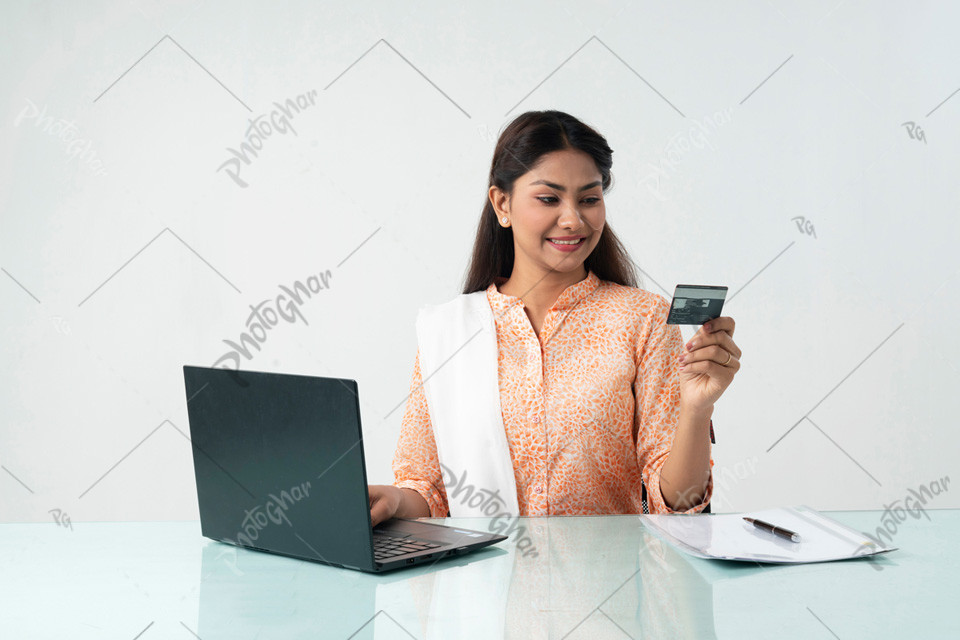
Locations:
(708, 363)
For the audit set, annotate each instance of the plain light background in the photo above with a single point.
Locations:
(773, 147)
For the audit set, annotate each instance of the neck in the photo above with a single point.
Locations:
(540, 289)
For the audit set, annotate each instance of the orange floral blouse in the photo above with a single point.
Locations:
(590, 406)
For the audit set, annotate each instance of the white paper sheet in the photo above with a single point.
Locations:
(730, 537)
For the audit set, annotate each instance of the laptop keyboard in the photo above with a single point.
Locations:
(386, 547)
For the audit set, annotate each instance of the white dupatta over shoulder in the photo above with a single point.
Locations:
(458, 363)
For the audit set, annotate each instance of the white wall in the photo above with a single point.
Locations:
(118, 270)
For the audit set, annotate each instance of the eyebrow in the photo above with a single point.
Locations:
(558, 187)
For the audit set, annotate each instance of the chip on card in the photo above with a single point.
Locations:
(696, 303)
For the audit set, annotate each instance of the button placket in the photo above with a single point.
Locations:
(530, 368)
(538, 422)
(533, 405)
(546, 331)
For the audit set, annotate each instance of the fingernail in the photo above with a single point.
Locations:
(707, 327)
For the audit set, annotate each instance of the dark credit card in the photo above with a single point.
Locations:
(696, 303)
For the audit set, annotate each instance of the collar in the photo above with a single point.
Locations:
(569, 298)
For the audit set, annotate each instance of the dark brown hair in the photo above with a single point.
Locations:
(519, 148)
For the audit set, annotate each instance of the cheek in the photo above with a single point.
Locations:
(596, 219)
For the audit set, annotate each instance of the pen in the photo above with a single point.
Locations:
(780, 531)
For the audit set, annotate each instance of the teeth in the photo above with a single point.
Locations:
(566, 241)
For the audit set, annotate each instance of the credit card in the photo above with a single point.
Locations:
(696, 303)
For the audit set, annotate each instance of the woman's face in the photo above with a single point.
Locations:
(561, 197)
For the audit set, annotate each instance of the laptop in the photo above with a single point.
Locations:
(280, 468)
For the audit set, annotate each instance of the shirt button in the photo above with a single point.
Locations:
(538, 489)
(536, 418)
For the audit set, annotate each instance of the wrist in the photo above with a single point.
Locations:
(403, 503)
(412, 504)
(697, 414)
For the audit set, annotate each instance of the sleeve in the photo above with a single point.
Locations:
(415, 463)
(657, 392)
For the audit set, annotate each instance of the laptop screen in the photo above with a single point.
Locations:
(279, 463)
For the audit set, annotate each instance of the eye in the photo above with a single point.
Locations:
(553, 199)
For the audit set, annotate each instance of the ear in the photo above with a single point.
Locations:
(499, 200)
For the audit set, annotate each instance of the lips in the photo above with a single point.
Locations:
(566, 246)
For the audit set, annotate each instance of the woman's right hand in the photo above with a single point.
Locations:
(385, 501)
(388, 501)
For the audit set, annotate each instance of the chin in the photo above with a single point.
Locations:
(568, 266)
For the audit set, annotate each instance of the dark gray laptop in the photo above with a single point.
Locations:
(280, 468)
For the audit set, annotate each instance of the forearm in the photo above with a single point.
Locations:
(412, 505)
(686, 472)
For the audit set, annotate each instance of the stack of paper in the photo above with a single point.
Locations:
(730, 537)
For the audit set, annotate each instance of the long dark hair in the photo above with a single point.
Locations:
(519, 148)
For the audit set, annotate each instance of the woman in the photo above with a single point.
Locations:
(598, 396)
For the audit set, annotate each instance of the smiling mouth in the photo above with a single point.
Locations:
(566, 243)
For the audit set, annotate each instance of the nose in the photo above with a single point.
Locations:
(571, 218)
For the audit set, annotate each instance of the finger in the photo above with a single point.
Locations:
(723, 323)
(712, 369)
(703, 334)
(698, 339)
(711, 353)
(721, 338)
(724, 341)
(378, 513)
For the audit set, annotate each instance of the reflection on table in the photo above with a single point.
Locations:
(562, 577)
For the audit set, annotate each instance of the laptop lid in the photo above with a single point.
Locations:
(263, 446)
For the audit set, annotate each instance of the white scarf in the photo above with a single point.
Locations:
(458, 363)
